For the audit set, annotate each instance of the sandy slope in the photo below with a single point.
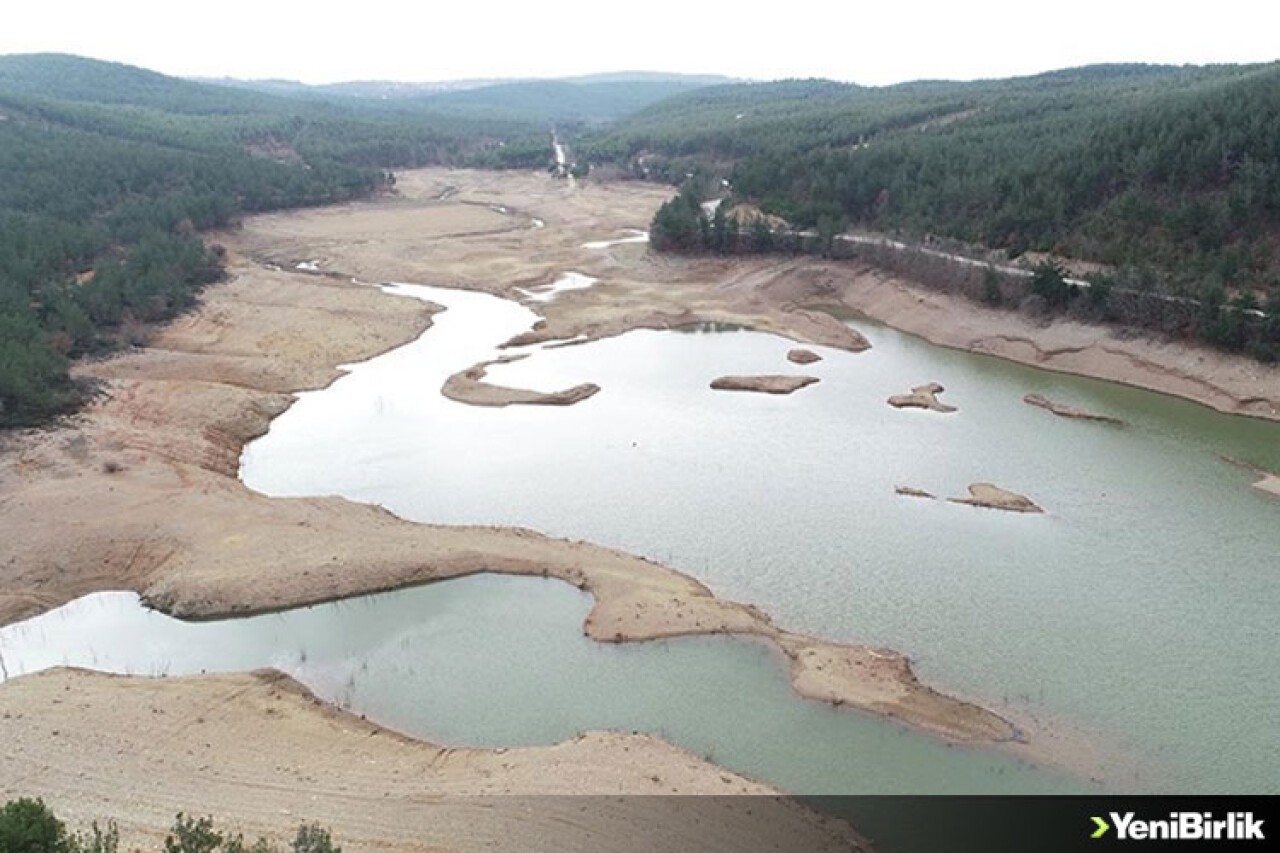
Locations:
(140, 492)
(1229, 383)
(257, 751)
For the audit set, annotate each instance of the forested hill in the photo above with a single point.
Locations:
(107, 172)
(559, 100)
(589, 100)
(1170, 175)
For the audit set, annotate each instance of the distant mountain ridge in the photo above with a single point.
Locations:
(408, 89)
(108, 172)
(592, 98)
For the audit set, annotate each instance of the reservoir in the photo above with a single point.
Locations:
(492, 660)
(1138, 608)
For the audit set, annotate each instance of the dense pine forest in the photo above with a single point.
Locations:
(108, 172)
(1169, 177)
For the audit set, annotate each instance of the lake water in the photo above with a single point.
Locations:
(1140, 607)
(501, 661)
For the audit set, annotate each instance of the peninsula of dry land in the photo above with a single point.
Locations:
(140, 491)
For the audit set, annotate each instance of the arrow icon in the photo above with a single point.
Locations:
(1103, 826)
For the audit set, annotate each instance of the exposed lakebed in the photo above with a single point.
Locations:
(501, 661)
(1140, 606)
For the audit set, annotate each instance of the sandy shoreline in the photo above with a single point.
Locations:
(140, 491)
(1072, 412)
(468, 386)
(201, 749)
(1231, 384)
(1268, 482)
(922, 397)
(766, 384)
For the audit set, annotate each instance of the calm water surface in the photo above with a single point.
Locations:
(1141, 607)
(500, 661)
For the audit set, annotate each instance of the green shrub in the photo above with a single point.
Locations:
(28, 826)
(311, 838)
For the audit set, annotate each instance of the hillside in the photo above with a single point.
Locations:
(107, 172)
(1170, 177)
(560, 101)
(590, 99)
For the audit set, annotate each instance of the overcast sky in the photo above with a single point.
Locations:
(872, 43)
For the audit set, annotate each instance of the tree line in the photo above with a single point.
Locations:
(1169, 177)
(1241, 324)
(109, 173)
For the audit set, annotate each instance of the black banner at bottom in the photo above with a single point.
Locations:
(1079, 824)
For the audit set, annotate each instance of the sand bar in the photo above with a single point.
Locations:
(766, 384)
(468, 386)
(140, 492)
(922, 397)
(993, 497)
(1064, 411)
(799, 355)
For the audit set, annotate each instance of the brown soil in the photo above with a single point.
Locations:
(1064, 411)
(994, 497)
(1228, 383)
(140, 490)
(468, 386)
(803, 356)
(769, 384)
(258, 752)
(922, 397)
(911, 492)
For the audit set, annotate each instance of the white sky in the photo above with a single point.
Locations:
(872, 43)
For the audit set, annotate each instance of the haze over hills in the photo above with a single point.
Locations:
(108, 171)
(406, 89)
(591, 98)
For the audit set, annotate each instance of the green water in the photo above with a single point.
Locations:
(1139, 609)
(501, 661)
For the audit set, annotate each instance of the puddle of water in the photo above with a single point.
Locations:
(568, 281)
(635, 237)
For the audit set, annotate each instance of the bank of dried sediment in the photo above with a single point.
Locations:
(140, 493)
(261, 754)
(1229, 383)
(469, 386)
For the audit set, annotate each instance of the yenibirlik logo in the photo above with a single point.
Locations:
(1182, 826)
